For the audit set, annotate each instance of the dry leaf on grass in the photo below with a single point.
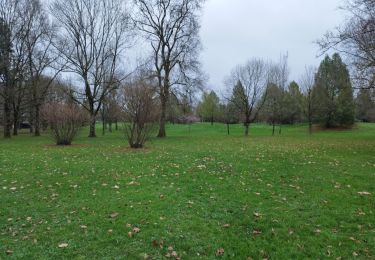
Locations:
(114, 215)
(364, 193)
(63, 245)
(220, 252)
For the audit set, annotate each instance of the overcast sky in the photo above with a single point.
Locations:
(234, 31)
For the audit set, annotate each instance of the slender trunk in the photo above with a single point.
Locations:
(273, 128)
(280, 129)
(116, 125)
(37, 120)
(212, 119)
(247, 129)
(162, 132)
(103, 130)
(110, 126)
(7, 119)
(15, 122)
(228, 128)
(310, 116)
(92, 125)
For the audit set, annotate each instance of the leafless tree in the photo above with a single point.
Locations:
(307, 82)
(65, 120)
(39, 41)
(141, 112)
(15, 60)
(31, 38)
(356, 40)
(91, 43)
(249, 92)
(172, 28)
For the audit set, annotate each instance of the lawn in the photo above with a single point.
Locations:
(197, 194)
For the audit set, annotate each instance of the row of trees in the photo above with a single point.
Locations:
(261, 93)
(86, 40)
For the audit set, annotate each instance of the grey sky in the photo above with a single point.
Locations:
(234, 31)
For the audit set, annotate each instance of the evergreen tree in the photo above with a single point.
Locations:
(333, 94)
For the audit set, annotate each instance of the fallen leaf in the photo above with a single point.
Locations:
(136, 230)
(364, 193)
(130, 234)
(226, 226)
(63, 245)
(9, 252)
(83, 226)
(114, 215)
(220, 252)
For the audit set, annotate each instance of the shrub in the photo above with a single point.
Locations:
(65, 121)
(140, 111)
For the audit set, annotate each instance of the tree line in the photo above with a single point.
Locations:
(71, 57)
(260, 92)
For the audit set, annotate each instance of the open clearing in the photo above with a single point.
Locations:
(197, 194)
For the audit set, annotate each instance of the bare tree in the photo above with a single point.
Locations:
(307, 83)
(91, 43)
(249, 92)
(141, 112)
(356, 40)
(172, 27)
(39, 41)
(14, 57)
(6, 85)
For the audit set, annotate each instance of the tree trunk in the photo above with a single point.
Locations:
(15, 122)
(116, 125)
(228, 128)
(280, 129)
(92, 125)
(273, 128)
(247, 129)
(37, 120)
(162, 132)
(7, 119)
(110, 126)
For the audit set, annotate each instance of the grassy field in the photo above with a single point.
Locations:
(197, 194)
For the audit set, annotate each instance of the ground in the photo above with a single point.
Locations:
(197, 194)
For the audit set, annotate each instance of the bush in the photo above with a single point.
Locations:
(141, 112)
(65, 121)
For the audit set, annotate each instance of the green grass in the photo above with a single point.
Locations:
(292, 196)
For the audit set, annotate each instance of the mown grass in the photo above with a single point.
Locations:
(292, 196)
